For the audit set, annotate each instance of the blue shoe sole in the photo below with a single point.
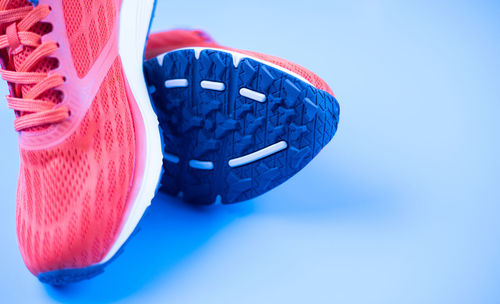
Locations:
(233, 133)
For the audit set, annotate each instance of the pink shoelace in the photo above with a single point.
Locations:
(31, 111)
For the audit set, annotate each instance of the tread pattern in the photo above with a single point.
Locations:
(217, 126)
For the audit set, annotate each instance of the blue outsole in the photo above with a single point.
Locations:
(217, 126)
(69, 276)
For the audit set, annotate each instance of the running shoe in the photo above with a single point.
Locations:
(89, 143)
(235, 123)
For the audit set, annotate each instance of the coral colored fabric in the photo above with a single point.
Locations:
(163, 42)
(72, 197)
(44, 66)
(89, 25)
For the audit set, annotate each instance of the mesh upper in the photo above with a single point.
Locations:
(44, 66)
(89, 24)
(72, 197)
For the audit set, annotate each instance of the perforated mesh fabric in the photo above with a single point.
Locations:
(18, 3)
(45, 65)
(72, 197)
(89, 25)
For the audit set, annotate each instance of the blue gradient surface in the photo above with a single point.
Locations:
(402, 207)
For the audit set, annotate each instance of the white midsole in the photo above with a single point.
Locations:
(135, 16)
(237, 57)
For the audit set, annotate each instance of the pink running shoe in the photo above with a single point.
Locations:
(89, 142)
(235, 123)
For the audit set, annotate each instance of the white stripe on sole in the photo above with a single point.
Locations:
(255, 156)
(176, 83)
(213, 85)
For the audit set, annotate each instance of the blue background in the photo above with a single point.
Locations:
(402, 207)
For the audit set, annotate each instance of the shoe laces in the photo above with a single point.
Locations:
(28, 84)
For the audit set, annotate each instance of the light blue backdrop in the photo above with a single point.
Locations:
(402, 207)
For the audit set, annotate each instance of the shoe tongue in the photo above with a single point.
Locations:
(45, 65)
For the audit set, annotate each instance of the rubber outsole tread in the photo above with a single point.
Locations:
(217, 126)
